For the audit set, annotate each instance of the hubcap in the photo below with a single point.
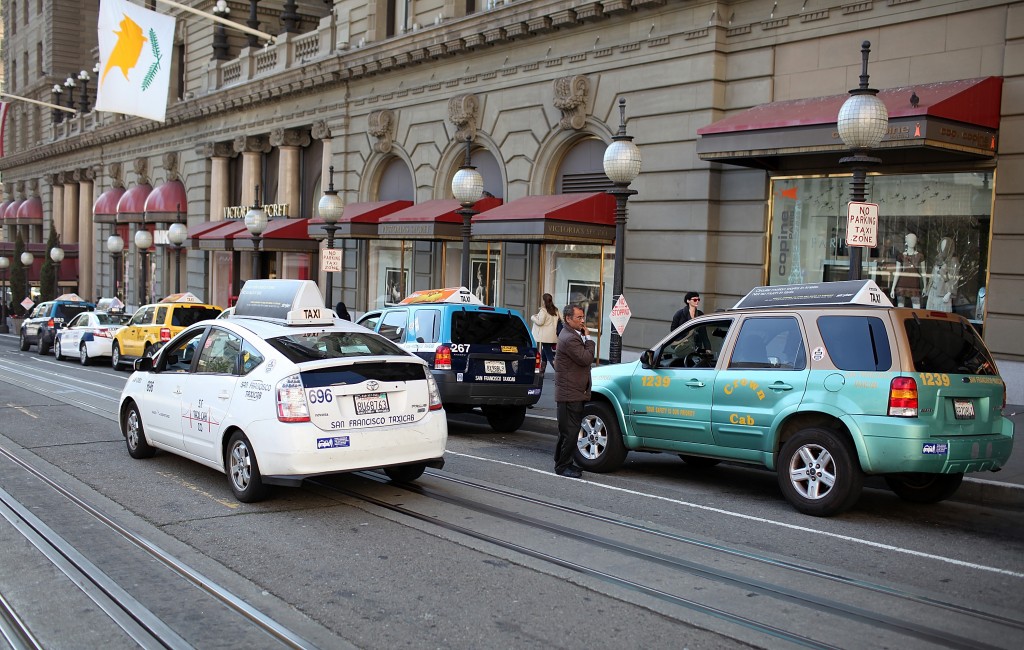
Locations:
(812, 472)
(133, 429)
(241, 465)
(82, 353)
(593, 437)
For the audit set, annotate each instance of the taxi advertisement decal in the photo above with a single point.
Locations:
(332, 442)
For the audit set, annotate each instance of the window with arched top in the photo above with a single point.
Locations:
(396, 182)
(582, 168)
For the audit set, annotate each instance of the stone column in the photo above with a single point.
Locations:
(56, 181)
(289, 188)
(252, 148)
(220, 155)
(87, 267)
(70, 233)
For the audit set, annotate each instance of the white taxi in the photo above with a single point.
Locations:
(282, 391)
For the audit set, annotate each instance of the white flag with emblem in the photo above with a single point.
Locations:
(135, 60)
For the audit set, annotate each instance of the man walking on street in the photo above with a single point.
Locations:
(576, 353)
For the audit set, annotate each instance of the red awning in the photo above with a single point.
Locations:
(31, 209)
(218, 238)
(3, 207)
(168, 203)
(359, 220)
(132, 206)
(280, 235)
(961, 118)
(12, 210)
(560, 218)
(104, 210)
(431, 220)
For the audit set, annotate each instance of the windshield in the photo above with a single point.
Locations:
(107, 319)
(948, 345)
(315, 346)
(490, 328)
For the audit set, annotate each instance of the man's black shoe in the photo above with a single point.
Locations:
(570, 472)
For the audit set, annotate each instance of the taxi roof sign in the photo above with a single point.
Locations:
(847, 292)
(295, 302)
(451, 295)
(188, 296)
(70, 297)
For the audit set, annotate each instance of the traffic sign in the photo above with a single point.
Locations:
(620, 315)
(330, 260)
(862, 224)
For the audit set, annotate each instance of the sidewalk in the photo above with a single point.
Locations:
(1004, 488)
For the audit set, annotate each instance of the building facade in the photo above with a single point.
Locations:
(728, 101)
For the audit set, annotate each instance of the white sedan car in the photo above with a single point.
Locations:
(280, 392)
(87, 336)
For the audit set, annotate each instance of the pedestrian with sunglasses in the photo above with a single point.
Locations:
(576, 353)
(689, 310)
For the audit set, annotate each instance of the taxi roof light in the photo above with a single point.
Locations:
(188, 296)
(450, 295)
(291, 302)
(846, 292)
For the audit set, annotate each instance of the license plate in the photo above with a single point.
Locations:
(494, 367)
(963, 409)
(371, 403)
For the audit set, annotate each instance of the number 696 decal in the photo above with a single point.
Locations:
(320, 395)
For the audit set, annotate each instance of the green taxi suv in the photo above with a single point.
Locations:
(823, 383)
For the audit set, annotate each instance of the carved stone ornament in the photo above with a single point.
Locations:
(51, 179)
(19, 187)
(251, 144)
(382, 125)
(462, 110)
(321, 131)
(141, 166)
(571, 98)
(33, 187)
(289, 138)
(84, 175)
(62, 178)
(114, 170)
(170, 165)
(216, 150)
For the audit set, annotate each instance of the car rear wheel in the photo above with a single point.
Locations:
(505, 419)
(83, 355)
(115, 356)
(135, 434)
(23, 343)
(44, 349)
(924, 488)
(599, 446)
(244, 471)
(819, 473)
(405, 473)
(699, 462)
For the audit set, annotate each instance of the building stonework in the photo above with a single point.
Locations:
(541, 86)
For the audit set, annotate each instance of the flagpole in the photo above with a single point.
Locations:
(36, 101)
(230, 23)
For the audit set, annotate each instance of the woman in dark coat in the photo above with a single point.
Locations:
(689, 311)
(342, 311)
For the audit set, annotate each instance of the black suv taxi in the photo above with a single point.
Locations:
(40, 328)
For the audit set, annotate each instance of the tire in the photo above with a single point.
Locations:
(405, 473)
(135, 434)
(243, 470)
(599, 446)
(83, 355)
(23, 344)
(44, 349)
(699, 462)
(115, 356)
(834, 483)
(924, 488)
(56, 351)
(505, 419)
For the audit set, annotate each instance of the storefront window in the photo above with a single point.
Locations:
(581, 274)
(295, 266)
(932, 241)
(484, 270)
(390, 263)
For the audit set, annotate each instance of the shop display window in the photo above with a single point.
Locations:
(484, 269)
(933, 236)
(582, 274)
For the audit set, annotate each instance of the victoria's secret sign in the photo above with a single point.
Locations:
(272, 210)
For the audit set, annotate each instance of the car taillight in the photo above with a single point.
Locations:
(103, 334)
(443, 358)
(536, 367)
(433, 392)
(165, 334)
(903, 397)
(49, 323)
(291, 400)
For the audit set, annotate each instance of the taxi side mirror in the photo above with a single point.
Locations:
(145, 364)
(647, 359)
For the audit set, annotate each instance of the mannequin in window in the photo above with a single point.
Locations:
(908, 280)
(945, 277)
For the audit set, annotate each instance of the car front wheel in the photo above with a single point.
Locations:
(924, 488)
(23, 344)
(243, 470)
(819, 473)
(135, 434)
(405, 473)
(599, 446)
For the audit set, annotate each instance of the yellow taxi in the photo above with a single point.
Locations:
(153, 325)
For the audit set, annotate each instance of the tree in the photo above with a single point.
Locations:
(48, 272)
(19, 283)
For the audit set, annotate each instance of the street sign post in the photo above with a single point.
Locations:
(862, 224)
(620, 315)
(330, 260)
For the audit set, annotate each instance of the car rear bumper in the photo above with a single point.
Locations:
(489, 394)
(923, 450)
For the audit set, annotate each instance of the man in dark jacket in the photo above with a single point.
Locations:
(576, 353)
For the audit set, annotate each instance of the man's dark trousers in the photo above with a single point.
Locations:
(570, 415)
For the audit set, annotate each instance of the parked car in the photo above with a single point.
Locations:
(153, 325)
(47, 318)
(481, 357)
(824, 383)
(88, 335)
(280, 392)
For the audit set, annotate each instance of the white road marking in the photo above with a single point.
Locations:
(762, 520)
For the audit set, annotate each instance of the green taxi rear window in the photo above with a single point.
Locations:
(856, 342)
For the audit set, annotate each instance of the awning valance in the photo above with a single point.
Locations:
(219, 238)
(132, 206)
(359, 220)
(431, 220)
(280, 235)
(168, 203)
(104, 210)
(30, 211)
(560, 218)
(959, 119)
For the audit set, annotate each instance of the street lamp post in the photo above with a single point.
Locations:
(143, 242)
(57, 256)
(468, 188)
(220, 37)
(83, 102)
(27, 259)
(256, 223)
(4, 265)
(177, 234)
(114, 246)
(862, 123)
(253, 22)
(621, 166)
(331, 207)
(58, 115)
(69, 85)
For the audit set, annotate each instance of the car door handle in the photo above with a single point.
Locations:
(177, 390)
(695, 383)
(224, 395)
(777, 386)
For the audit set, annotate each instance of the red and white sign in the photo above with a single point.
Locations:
(862, 224)
(620, 315)
(330, 260)
(27, 304)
